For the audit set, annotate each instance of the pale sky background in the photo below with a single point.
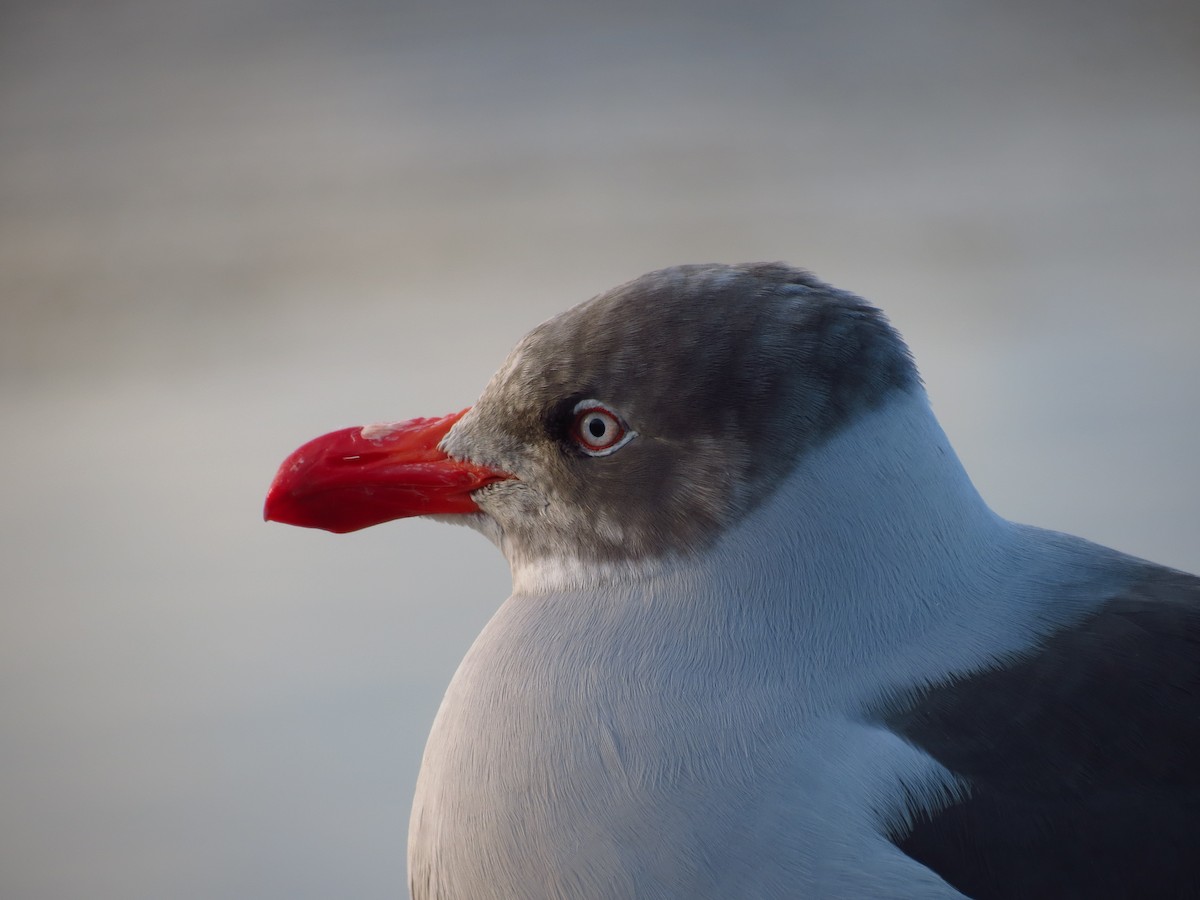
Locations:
(229, 226)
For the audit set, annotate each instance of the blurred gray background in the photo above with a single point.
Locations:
(229, 226)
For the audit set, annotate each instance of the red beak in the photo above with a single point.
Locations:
(358, 477)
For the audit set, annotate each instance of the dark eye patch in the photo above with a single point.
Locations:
(558, 418)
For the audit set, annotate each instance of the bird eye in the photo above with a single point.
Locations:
(599, 430)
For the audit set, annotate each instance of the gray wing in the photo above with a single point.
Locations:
(1082, 758)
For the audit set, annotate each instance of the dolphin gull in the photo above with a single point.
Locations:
(765, 639)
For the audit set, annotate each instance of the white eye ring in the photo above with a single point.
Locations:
(598, 429)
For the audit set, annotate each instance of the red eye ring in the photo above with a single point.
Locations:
(597, 429)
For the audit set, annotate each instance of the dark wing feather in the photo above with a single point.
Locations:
(1082, 758)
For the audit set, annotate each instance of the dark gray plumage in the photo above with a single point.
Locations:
(1081, 756)
(728, 374)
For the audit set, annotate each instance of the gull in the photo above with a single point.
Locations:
(765, 639)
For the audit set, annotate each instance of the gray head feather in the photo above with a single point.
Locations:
(728, 374)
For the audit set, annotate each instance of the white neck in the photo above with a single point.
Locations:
(876, 538)
(884, 534)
